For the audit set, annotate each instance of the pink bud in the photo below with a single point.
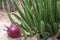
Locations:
(13, 31)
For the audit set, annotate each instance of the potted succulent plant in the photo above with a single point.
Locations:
(39, 17)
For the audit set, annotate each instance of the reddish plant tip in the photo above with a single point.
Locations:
(13, 31)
